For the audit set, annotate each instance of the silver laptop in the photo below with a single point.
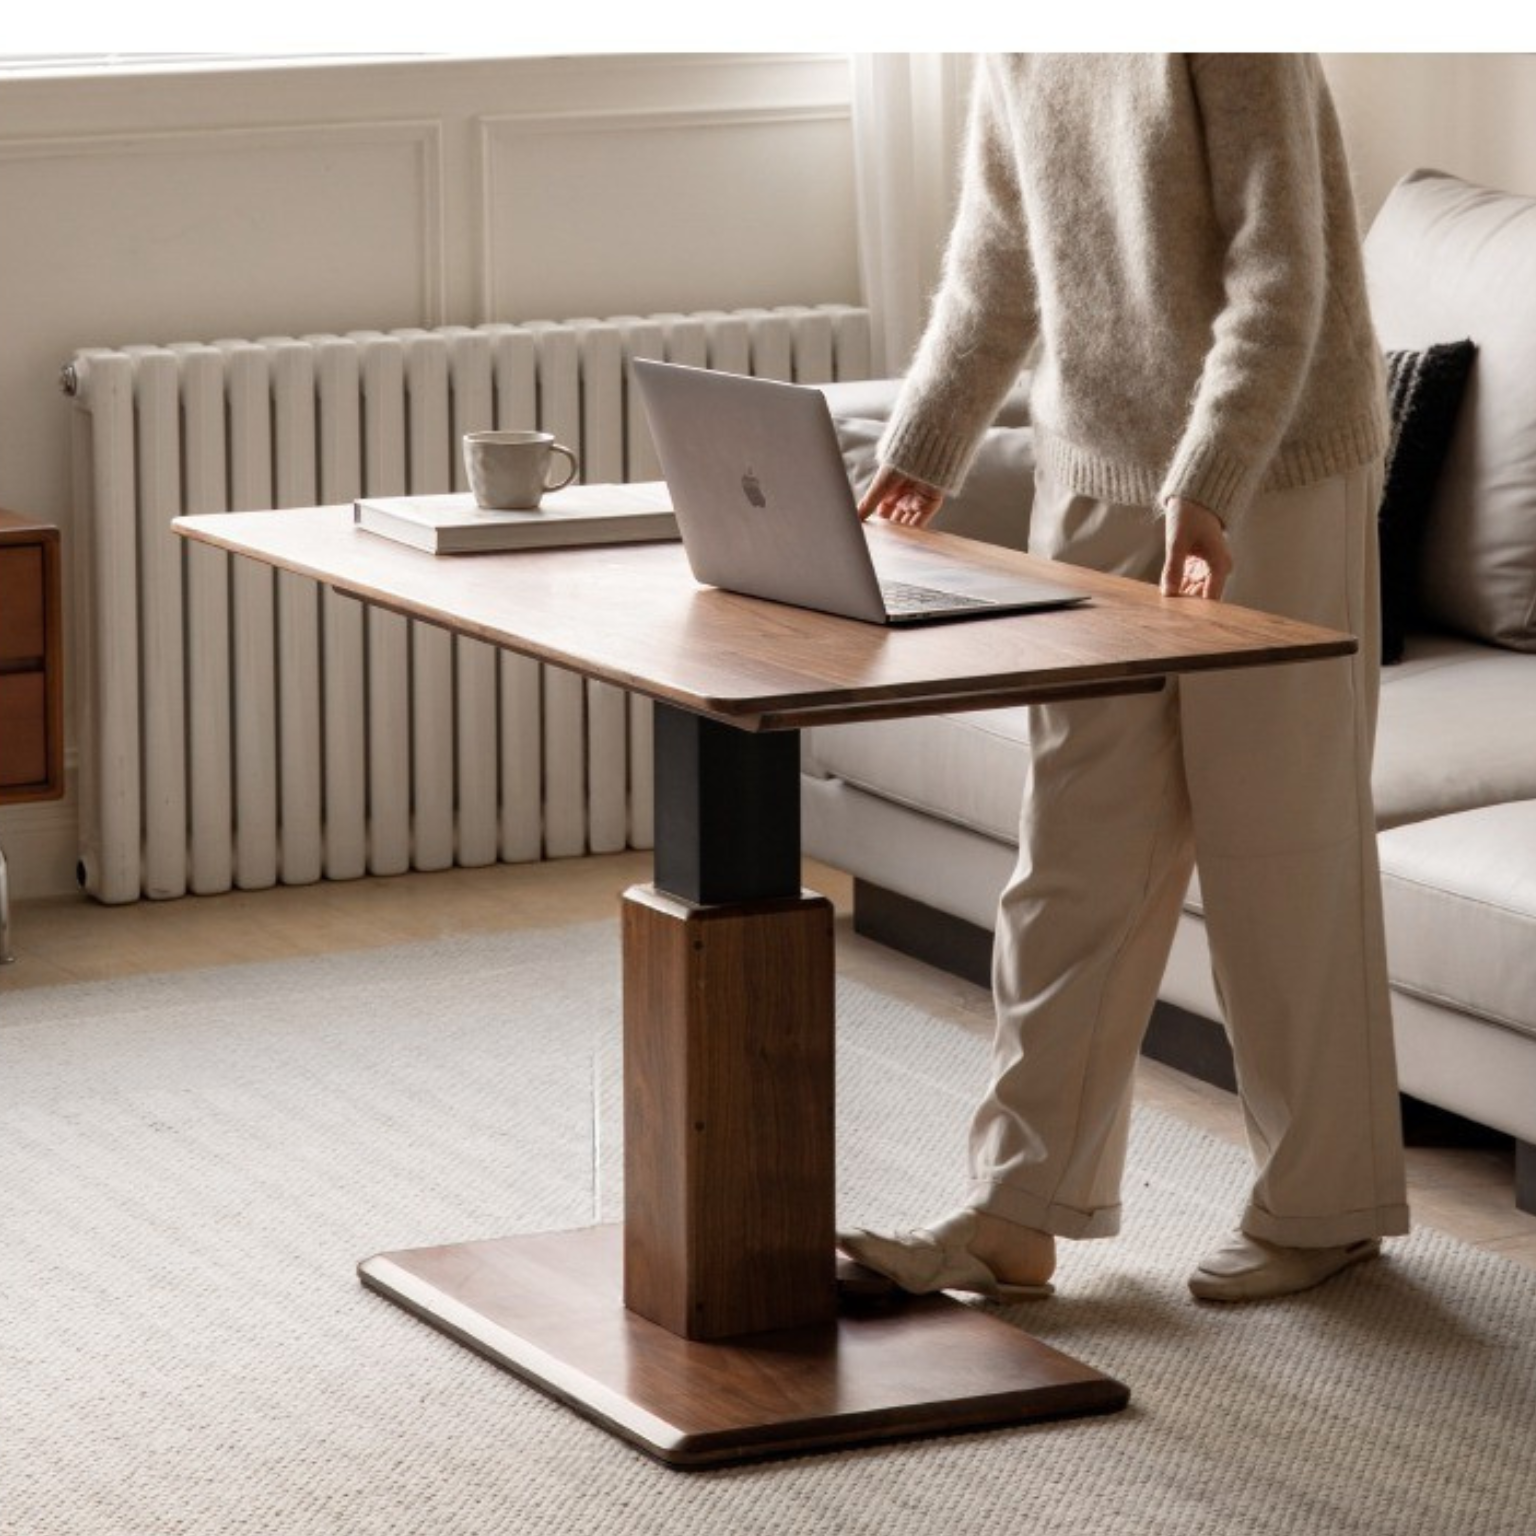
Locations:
(764, 507)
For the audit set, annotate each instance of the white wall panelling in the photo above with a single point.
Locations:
(203, 233)
(724, 193)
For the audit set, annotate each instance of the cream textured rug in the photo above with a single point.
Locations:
(191, 1165)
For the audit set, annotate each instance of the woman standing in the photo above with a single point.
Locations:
(1178, 234)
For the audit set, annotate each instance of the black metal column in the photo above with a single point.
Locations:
(727, 810)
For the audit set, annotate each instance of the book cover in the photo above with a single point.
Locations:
(454, 524)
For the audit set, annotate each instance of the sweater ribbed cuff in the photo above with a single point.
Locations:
(1220, 481)
(937, 458)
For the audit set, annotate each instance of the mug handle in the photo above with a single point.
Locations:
(571, 474)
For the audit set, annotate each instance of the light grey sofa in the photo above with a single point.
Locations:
(924, 813)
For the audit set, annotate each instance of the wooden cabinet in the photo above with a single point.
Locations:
(31, 662)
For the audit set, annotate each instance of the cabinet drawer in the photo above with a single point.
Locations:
(23, 730)
(22, 603)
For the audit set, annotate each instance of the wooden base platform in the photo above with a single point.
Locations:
(549, 1309)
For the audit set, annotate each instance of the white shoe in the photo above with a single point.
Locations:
(936, 1258)
(1251, 1269)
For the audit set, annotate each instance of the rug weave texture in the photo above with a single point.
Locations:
(191, 1166)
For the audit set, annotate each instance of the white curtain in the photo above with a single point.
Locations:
(908, 121)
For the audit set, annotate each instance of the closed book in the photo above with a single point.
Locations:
(580, 514)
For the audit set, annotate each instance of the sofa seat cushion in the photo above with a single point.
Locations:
(1460, 894)
(1457, 730)
(967, 769)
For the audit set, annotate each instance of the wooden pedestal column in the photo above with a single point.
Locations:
(728, 1114)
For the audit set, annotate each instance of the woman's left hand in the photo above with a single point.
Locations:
(1198, 559)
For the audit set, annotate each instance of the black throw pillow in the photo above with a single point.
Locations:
(1424, 391)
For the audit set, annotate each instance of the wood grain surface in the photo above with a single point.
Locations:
(31, 661)
(633, 616)
(729, 1182)
(548, 1309)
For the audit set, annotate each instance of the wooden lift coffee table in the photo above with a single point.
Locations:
(707, 1328)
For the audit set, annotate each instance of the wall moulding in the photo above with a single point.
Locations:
(422, 139)
(230, 95)
(717, 192)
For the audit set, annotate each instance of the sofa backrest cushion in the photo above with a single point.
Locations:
(1446, 259)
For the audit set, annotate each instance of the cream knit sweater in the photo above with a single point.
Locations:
(1179, 233)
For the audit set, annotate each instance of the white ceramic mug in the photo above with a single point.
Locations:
(509, 471)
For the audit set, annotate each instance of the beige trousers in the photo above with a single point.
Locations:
(1260, 777)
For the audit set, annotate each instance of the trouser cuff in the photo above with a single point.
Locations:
(1025, 1209)
(1325, 1231)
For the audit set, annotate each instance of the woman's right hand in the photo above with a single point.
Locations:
(900, 499)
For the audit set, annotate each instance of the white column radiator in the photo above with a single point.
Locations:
(242, 728)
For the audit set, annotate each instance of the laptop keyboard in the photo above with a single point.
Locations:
(903, 597)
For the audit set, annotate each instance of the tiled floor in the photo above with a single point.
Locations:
(1465, 1191)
